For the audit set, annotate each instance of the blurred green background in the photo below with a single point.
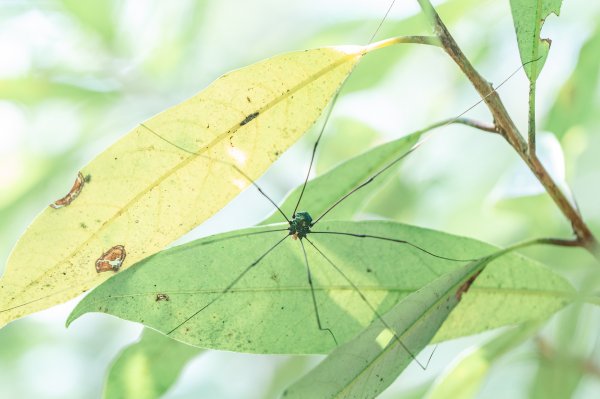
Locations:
(76, 75)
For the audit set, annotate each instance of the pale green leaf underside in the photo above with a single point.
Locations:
(170, 174)
(369, 363)
(464, 377)
(528, 18)
(270, 309)
(147, 368)
(577, 101)
(323, 191)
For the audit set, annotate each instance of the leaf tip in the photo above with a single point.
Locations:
(74, 315)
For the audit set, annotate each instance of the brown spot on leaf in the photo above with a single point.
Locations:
(111, 259)
(70, 197)
(465, 286)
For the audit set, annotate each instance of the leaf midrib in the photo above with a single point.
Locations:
(393, 344)
(345, 58)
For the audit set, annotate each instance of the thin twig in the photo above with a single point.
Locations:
(477, 125)
(531, 123)
(506, 127)
(429, 40)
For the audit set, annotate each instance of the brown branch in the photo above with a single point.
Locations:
(506, 127)
(477, 125)
(531, 120)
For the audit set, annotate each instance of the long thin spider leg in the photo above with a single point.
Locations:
(453, 120)
(375, 312)
(368, 181)
(230, 286)
(260, 190)
(381, 22)
(314, 298)
(393, 240)
(208, 241)
(314, 151)
(494, 90)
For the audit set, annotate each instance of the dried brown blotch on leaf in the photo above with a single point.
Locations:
(70, 197)
(111, 259)
(465, 286)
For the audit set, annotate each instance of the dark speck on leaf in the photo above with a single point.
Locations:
(249, 118)
(162, 297)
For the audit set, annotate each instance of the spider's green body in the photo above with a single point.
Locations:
(300, 225)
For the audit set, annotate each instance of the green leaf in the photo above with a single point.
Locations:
(528, 18)
(98, 16)
(147, 368)
(518, 291)
(32, 90)
(369, 363)
(270, 309)
(465, 376)
(170, 174)
(558, 376)
(576, 101)
(320, 193)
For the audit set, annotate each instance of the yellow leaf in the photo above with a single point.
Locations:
(168, 175)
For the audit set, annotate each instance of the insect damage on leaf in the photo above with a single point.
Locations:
(162, 297)
(466, 285)
(146, 169)
(249, 118)
(111, 259)
(73, 193)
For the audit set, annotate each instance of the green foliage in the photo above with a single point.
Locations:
(577, 101)
(323, 191)
(369, 363)
(118, 199)
(273, 299)
(134, 60)
(147, 368)
(528, 17)
(463, 379)
(93, 15)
